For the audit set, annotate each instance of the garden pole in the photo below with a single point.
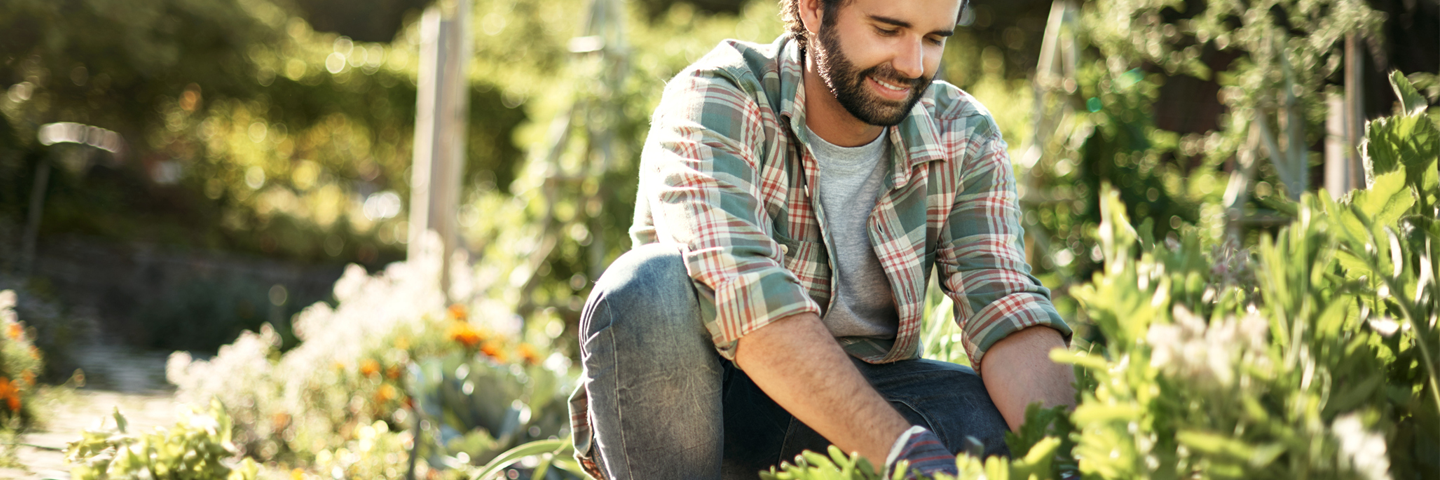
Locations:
(1337, 147)
(32, 222)
(1354, 109)
(442, 110)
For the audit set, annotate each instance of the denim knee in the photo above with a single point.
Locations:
(644, 297)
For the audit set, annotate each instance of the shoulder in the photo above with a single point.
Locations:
(967, 135)
(957, 113)
(735, 73)
(737, 57)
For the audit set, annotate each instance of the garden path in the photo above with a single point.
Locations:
(116, 376)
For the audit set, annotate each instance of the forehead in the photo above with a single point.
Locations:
(921, 14)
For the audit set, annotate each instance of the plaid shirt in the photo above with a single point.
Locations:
(728, 175)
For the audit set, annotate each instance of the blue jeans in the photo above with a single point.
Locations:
(663, 404)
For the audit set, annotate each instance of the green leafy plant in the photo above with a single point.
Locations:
(197, 447)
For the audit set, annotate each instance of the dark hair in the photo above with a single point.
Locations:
(790, 13)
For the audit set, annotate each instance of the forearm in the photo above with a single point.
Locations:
(1018, 371)
(798, 364)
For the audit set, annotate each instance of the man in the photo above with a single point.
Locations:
(794, 199)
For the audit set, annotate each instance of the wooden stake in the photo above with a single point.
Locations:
(442, 110)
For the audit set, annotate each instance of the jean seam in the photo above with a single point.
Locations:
(785, 443)
(615, 394)
(929, 423)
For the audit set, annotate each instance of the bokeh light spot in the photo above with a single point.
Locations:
(254, 178)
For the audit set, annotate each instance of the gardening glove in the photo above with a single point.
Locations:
(923, 450)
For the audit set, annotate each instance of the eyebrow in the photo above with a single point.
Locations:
(904, 24)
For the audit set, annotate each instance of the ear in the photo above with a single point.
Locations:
(810, 15)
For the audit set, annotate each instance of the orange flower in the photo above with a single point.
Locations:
(15, 331)
(369, 367)
(393, 372)
(10, 394)
(385, 393)
(279, 421)
(528, 353)
(28, 378)
(465, 334)
(493, 350)
(459, 312)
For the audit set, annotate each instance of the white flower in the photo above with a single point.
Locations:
(1207, 354)
(1360, 449)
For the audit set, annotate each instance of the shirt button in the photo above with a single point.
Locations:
(784, 249)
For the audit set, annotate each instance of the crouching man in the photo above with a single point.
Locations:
(794, 199)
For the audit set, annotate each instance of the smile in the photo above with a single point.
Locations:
(890, 89)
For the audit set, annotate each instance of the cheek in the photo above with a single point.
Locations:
(932, 60)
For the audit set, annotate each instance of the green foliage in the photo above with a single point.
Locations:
(548, 453)
(837, 466)
(47, 326)
(1317, 363)
(1409, 139)
(197, 447)
(471, 405)
(1269, 60)
(1038, 463)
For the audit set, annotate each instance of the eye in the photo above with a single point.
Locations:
(886, 32)
(937, 41)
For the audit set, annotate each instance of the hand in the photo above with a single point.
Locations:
(924, 451)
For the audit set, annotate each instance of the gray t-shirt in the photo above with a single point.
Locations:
(850, 182)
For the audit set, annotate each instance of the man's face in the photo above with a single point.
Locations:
(888, 58)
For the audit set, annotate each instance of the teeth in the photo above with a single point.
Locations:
(889, 86)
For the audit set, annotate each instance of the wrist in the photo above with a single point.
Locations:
(918, 451)
(898, 447)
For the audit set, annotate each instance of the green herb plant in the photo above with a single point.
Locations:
(197, 447)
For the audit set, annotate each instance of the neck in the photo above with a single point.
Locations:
(827, 118)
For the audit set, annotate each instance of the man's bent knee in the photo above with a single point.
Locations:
(646, 294)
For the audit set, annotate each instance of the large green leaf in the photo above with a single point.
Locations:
(1383, 203)
(510, 457)
(1411, 101)
(1411, 141)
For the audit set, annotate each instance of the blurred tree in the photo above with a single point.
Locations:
(1164, 96)
(238, 116)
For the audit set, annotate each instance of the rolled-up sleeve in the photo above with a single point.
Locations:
(699, 189)
(982, 253)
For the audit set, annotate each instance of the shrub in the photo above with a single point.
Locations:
(388, 348)
(47, 325)
(20, 364)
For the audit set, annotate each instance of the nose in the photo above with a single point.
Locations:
(910, 60)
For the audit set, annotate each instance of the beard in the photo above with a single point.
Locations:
(849, 87)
